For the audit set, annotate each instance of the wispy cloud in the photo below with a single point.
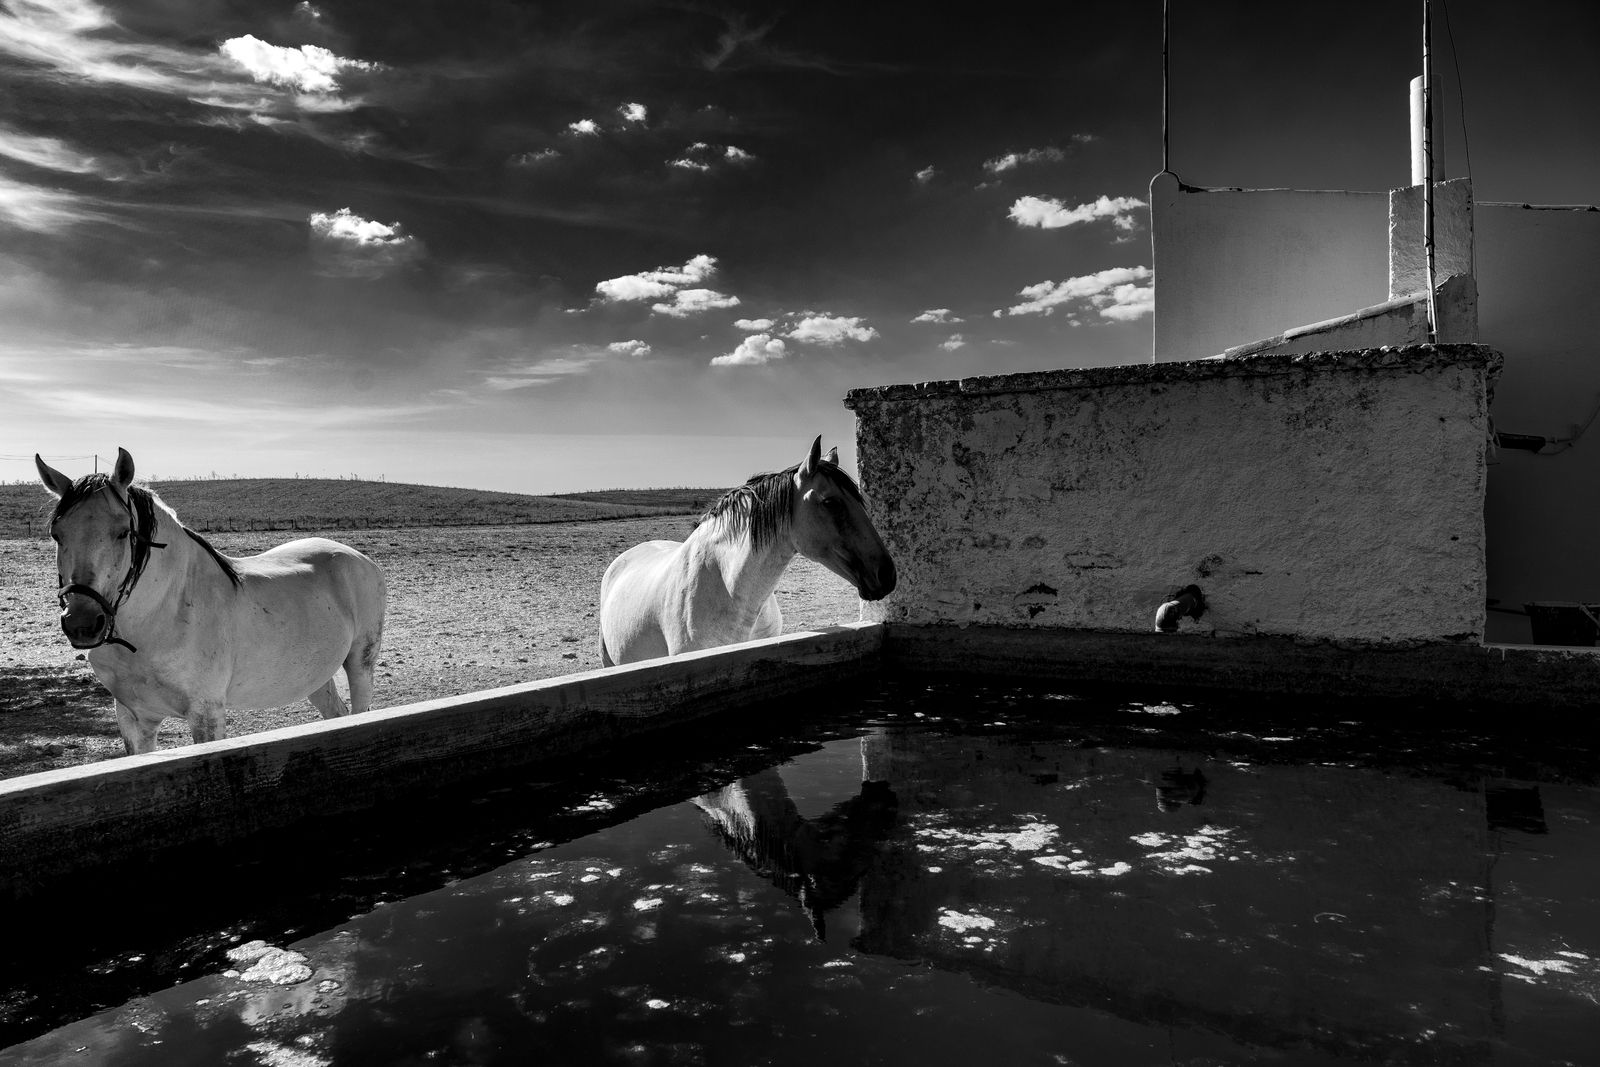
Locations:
(925, 175)
(941, 315)
(40, 210)
(348, 245)
(145, 407)
(1118, 293)
(754, 325)
(584, 128)
(1047, 214)
(572, 362)
(1013, 160)
(703, 157)
(756, 349)
(78, 43)
(953, 342)
(830, 330)
(1031, 156)
(542, 157)
(50, 153)
(634, 112)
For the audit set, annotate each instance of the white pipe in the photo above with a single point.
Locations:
(1427, 166)
(1419, 166)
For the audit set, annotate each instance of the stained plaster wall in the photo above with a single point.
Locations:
(1330, 496)
(1245, 264)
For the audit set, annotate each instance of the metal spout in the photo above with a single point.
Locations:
(1188, 601)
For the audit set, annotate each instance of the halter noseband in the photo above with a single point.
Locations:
(141, 523)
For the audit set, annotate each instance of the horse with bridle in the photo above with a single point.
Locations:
(173, 627)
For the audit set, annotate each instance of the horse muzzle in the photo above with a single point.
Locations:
(875, 585)
(85, 616)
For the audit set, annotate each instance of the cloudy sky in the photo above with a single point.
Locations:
(548, 247)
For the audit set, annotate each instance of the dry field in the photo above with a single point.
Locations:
(469, 608)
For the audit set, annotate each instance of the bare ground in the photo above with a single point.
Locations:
(469, 608)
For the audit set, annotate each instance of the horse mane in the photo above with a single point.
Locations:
(761, 506)
(144, 509)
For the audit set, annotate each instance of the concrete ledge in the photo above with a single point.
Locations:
(1406, 359)
(1535, 677)
(58, 823)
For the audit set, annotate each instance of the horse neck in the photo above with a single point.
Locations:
(166, 571)
(748, 574)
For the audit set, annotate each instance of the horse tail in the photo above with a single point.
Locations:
(605, 657)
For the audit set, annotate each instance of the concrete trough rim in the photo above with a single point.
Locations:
(58, 823)
(461, 703)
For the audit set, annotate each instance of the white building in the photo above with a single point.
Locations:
(1248, 271)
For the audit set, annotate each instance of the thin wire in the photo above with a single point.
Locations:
(1166, 83)
(1461, 107)
(29, 459)
(1427, 170)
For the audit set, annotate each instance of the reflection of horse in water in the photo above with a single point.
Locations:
(817, 861)
(1178, 787)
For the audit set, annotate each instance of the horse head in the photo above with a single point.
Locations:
(98, 552)
(830, 526)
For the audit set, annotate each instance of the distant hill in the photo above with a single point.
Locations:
(342, 504)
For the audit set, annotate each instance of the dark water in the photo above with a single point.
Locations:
(943, 875)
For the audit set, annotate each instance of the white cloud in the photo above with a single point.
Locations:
(348, 245)
(1013, 160)
(1127, 302)
(686, 302)
(953, 342)
(1049, 214)
(925, 175)
(754, 325)
(534, 159)
(307, 69)
(634, 112)
(584, 128)
(830, 330)
(938, 315)
(1120, 293)
(635, 348)
(753, 350)
(701, 157)
(658, 283)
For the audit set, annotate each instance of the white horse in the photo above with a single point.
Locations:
(716, 588)
(174, 627)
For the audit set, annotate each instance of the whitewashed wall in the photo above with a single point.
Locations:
(1332, 495)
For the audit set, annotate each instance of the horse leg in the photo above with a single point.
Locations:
(327, 701)
(207, 720)
(137, 734)
(359, 667)
(769, 623)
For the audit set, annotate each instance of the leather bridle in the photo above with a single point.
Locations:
(141, 523)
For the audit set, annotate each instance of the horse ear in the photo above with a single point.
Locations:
(833, 455)
(809, 467)
(122, 474)
(53, 479)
